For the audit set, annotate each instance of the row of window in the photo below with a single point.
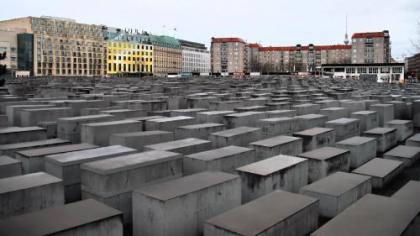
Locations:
(114, 67)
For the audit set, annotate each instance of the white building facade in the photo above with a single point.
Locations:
(195, 57)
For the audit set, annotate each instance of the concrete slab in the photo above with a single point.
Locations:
(197, 198)
(138, 140)
(379, 216)
(311, 121)
(405, 128)
(368, 119)
(22, 134)
(225, 159)
(362, 149)
(381, 170)
(413, 141)
(277, 213)
(409, 155)
(270, 147)
(184, 146)
(271, 127)
(32, 117)
(316, 138)
(338, 191)
(240, 136)
(326, 161)
(386, 138)
(9, 167)
(385, 112)
(284, 172)
(87, 217)
(169, 123)
(212, 116)
(201, 131)
(12, 148)
(344, 128)
(98, 133)
(334, 113)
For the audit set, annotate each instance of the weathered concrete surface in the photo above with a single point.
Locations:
(98, 133)
(270, 147)
(9, 167)
(316, 138)
(362, 149)
(139, 140)
(380, 170)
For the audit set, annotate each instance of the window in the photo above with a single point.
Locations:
(397, 69)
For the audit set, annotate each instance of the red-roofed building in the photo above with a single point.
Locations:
(371, 47)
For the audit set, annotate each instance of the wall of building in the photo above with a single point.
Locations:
(413, 65)
(8, 45)
(195, 60)
(228, 55)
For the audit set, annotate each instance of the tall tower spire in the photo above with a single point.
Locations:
(346, 37)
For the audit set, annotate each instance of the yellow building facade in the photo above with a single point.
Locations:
(129, 57)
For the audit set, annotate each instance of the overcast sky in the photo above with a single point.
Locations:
(269, 22)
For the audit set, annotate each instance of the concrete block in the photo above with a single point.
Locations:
(344, 128)
(25, 193)
(381, 171)
(240, 136)
(271, 127)
(212, 116)
(385, 112)
(66, 166)
(326, 161)
(367, 119)
(409, 155)
(410, 192)
(416, 113)
(187, 112)
(21, 134)
(13, 112)
(70, 127)
(9, 167)
(405, 128)
(284, 172)
(243, 119)
(377, 216)
(280, 113)
(305, 109)
(98, 133)
(270, 147)
(279, 106)
(32, 117)
(87, 217)
(121, 114)
(11, 149)
(183, 146)
(169, 123)
(413, 141)
(112, 181)
(334, 113)
(197, 198)
(201, 131)
(311, 121)
(362, 149)
(225, 159)
(316, 138)
(290, 214)
(386, 138)
(338, 191)
(33, 160)
(353, 106)
(138, 140)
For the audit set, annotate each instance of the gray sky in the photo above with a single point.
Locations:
(269, 22)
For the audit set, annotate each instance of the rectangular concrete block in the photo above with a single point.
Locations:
(13, 112)
(70, 127)
(112, 181)
(240, 136)
(12, 148)
(311, 121)
(368, 119)
(409, 155)
(385, 112)
(33, 160)
(243, 119)
(362, 149)
(270, 147)
(280, 113)
(409, 192)
(26, 193)
(201, 131)
(284, 172)
(138, 140)
(21, 134)
(187, 112)
(87, 217)
(337, 192)
(326, 161)
(316, 138)
(386, 138)
(183, 146)
(212, 116)
(381, 171)
(290, 214)
(225, 159)
(121, 114)
(413, 141)
(66, 166)
(271, 127)
(169, 123)
(377, 215)
(199, 197)
(405, 128)
(344, 128)
(9, 167)
(32, 117)
(305, 109)
(98, 133)
(416, 113)
(334, 113)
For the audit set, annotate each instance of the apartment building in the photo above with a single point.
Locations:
(413, 65)
(63, 47)
(195, 57)
(126, 54)
(229, 55)
(371, 47)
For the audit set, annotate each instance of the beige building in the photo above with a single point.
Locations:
(371, 47)
(63, 47)
(229, 55)
(8, 48)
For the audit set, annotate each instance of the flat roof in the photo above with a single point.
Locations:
(21, 182)
(271, 165)
(363, 64)
(219, 153)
